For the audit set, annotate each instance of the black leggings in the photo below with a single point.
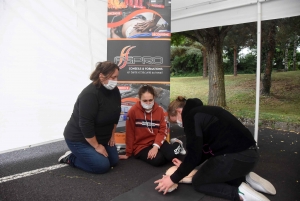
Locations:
(221, 176)
(165, 154)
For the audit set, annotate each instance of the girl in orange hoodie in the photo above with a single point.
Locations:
(146, 131)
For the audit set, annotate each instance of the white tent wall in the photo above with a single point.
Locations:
(47, 52)
(200, 14)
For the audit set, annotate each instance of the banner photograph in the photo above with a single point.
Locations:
(138, 41)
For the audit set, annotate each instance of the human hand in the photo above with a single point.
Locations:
(176, 162)
(152, 153)
(164, 184)
(123, 157)
(111, 142)
(145, 26)
(101, 150)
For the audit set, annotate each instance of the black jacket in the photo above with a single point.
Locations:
(95, 113)
(210, 131)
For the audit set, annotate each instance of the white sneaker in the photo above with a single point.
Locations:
(260, 184)
(249, 194)
(182, 150)
(65, 158)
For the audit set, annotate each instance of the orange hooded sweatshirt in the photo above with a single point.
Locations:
(144, 129)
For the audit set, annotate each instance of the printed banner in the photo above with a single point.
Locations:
(138, 41)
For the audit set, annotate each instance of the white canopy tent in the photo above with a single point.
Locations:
(201, 14)
(49, 48)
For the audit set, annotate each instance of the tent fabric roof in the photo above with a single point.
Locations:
(200, 14)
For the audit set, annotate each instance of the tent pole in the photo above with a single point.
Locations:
(258, 70)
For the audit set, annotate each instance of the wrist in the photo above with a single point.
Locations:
(156, 145)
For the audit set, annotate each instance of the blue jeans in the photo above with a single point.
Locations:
(85, 157)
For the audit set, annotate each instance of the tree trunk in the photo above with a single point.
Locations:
(286, 61)
(216, 74)
(295, 52)
(204, 56)
(234, 61)
(266, 81)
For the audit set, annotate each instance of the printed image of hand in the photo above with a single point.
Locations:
(152, 153)
(101, 150)
(176, 162)
(145, 26)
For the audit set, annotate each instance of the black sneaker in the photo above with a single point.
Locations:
(65, 158)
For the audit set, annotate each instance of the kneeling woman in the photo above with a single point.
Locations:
(89, 133)
(146, 132)
(225, 149)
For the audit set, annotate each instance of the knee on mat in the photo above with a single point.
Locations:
(196, 184)
(114, 162)
(101, 167)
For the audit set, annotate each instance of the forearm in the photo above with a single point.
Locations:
(92, 141)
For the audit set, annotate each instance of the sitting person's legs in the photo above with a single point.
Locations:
(157, 161)
(85, 157)
(170, 151)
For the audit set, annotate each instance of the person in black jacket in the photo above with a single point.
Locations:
(223, 146)
(89, 133)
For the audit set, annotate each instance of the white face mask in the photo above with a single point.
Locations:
(111, 84)
(147, 106)
(179, 123)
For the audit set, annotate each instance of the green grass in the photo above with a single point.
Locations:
(283, 104)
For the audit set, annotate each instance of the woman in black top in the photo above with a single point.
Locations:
(223, 146)
(89, 133)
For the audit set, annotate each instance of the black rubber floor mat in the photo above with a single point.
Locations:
(146, 191)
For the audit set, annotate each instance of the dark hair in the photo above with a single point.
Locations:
(146, 88)
(107, 68)
(175, 104)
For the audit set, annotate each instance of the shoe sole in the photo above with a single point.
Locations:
(66, 154)
(260, 184)
(250, 194)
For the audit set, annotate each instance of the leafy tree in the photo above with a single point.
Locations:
(270, 45)
(235, 40)
(212, 39)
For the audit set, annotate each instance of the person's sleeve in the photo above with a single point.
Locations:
(119, 103)
(194, 150)
(88, 108)
(130, 132)
(162, 132)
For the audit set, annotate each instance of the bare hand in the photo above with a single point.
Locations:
(164, 184)
(112, 140)
(145, 26)
(176, 162)
(123, 157)
(152, 153)
(101, 150)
